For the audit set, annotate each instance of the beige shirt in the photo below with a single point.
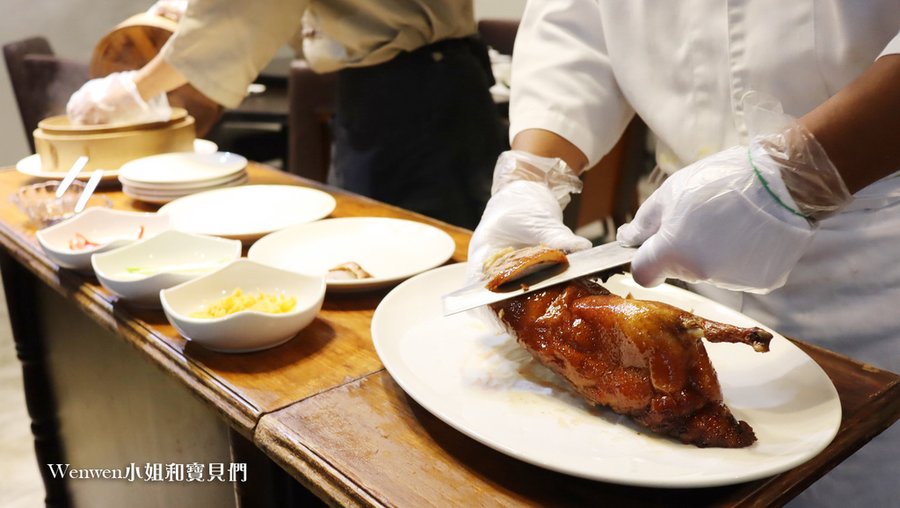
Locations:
(222, 45)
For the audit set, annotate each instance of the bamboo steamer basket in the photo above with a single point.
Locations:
(134, 42)
(59, 143)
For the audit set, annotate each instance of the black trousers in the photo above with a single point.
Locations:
(421, 131)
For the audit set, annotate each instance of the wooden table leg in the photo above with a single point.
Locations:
(21, 290)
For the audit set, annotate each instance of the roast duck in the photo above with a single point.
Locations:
(640, 358)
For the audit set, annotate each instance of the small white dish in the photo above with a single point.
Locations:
(248, 212)
(71, 244)
(182, 168)
(390, 250)
(137, 272)
(31, 165)
(246, 330)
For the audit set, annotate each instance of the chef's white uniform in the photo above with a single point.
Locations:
(582, 68)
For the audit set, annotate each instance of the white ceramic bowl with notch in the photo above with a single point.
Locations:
(105, 228)
(246, 330)
(137, 272)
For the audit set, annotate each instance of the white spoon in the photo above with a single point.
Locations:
(76, 168)
(88, 190)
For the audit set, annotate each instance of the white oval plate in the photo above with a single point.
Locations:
(389, 249)
(171, 170)
(248, 212)
(31, 165)
(487, 387)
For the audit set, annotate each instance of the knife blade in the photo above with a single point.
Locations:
(599, 258)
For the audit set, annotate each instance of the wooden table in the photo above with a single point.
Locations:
(322, 406)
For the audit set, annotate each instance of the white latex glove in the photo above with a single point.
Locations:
(529, 194)
(172, 9)
(731, 220)
(115, 99)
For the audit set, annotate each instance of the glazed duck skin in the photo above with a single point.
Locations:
(642, 359)
(509, 265)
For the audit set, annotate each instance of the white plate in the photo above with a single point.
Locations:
(109, 229)
(161, 198)
(248, 212)
(389, 249)
(31, 165)
(206, 184)
(182, 168)
(489, 388)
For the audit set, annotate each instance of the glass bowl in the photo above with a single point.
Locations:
(39, 202)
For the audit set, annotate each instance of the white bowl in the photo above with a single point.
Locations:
(247, 330)
(137, 272)
(108, 229)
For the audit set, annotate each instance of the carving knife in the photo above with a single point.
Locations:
(600, 258)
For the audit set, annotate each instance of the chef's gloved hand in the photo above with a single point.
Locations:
(115, 99)
(529, 194)
(742, 218)
(172, 9)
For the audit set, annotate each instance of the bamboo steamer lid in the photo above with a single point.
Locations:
(133, 43)
(61, 125)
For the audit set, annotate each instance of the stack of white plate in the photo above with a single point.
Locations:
(169, 176)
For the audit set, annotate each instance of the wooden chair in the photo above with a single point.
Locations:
(311, 100)
(42, 82)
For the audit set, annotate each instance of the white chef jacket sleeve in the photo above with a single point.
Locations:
(221, 46)
(893, 47)
(562, 77)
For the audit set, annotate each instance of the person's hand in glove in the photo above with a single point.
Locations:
(528, 197)
(172, 9)
(115, 99)
(742, 218)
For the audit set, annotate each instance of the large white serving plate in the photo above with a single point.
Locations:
(248, 212)
(31, 165)
(486, 386)
(174, 170)
(390, 250)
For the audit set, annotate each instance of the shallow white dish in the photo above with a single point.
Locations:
(243, 331)
(389, 249)
(137, 272)
(486, 386)
(31, 165)
(248, 212)
(108, 229)
(163, 197)
(169, 170)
